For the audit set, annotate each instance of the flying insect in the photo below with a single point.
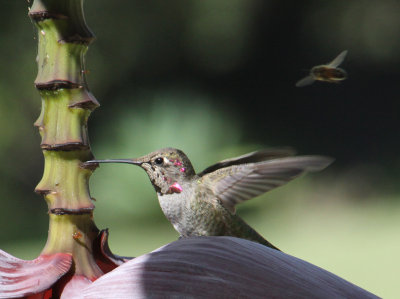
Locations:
(327, 72)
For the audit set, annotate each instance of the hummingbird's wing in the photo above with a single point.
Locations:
(338, 60)
(305, 81)
(238, 183)
(257, 156)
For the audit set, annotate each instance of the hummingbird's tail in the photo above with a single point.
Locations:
(242, 230)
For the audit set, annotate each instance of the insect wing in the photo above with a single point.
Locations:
(338, 60)
(305, 81)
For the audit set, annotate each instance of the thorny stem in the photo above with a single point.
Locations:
(63, 38)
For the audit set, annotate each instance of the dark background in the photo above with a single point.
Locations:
(216, 78)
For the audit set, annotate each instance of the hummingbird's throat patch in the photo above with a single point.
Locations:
(175, 188)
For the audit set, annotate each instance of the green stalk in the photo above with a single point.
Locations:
(63, 39)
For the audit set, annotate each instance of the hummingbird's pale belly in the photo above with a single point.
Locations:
(193, 216)
(197, 212)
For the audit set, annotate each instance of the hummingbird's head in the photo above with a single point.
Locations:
(167, 168)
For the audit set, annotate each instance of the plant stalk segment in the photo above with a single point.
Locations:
(63, 39)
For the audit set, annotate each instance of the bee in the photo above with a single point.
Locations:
(328, 72)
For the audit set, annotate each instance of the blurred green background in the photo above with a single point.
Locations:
(216, 78)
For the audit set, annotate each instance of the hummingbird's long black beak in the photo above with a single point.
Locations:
(129, 161)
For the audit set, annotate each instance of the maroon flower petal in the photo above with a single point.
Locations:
(73, 288)
(105, 259)
(20, 278)
(220, 267)
(44, 295)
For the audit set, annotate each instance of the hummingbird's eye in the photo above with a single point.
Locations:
(159, 161)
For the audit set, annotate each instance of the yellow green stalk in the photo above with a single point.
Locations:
(63, 39)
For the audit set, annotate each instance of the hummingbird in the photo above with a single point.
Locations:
(203, 204)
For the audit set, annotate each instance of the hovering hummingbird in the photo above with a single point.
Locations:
(203, 204)
(328, 73)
